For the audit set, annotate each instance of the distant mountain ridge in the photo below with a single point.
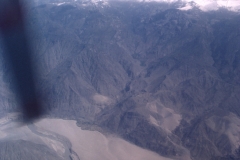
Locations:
(206, 5)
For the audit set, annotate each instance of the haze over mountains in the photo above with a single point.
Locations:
(161, 77)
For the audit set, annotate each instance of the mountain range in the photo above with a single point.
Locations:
(156, 74)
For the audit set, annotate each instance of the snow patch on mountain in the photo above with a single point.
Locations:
(210, 5)
(59, 4)
(204, 5)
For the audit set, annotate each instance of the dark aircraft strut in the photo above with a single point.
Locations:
(17, 52)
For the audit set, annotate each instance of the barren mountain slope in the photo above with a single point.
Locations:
(161, 78)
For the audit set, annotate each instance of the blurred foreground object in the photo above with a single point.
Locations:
(18, 55)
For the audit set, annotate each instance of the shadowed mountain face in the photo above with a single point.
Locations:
(164, 79)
